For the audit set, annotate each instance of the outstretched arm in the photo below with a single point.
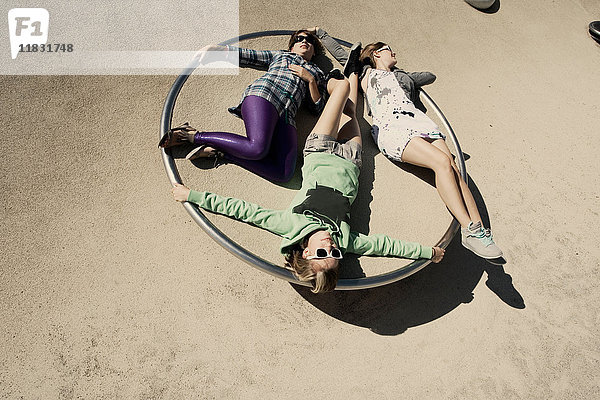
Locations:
(332, 45)
(241, 210)
(422, 78)
(383, 245)
(211, 53)
(259, 59)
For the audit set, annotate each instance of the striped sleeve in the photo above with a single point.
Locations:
(260, 59)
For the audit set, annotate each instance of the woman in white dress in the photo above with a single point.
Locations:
(404, 133)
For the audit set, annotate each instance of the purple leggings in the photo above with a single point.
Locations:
(269, 148)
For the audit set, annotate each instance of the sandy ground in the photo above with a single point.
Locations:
(108, 289)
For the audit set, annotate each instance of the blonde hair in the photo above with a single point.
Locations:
(322, 281)
(367, 57)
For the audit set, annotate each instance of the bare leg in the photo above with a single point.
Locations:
(350, 107)
(353, 95)
(464, 187)
(349, 128)
(424, 154)
(329, 121)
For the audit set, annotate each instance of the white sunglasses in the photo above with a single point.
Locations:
(386, 47)
(323, 253)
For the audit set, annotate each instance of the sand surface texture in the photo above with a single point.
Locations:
(108, 289)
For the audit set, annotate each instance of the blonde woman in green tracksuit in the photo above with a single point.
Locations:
(315, 227)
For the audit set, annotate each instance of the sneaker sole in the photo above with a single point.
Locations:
(353, 48)
(496, 261)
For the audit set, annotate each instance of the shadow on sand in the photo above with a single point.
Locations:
(425, 296)
(494, 8)
(418, 299)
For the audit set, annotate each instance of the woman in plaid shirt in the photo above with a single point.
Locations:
(268, 108)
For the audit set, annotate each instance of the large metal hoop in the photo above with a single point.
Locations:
(264, 265)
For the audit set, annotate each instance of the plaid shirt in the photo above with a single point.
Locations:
(279, 85)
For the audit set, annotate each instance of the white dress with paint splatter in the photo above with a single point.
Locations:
(396, 120)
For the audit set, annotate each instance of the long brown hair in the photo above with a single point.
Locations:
(367, 57)
(317, 43)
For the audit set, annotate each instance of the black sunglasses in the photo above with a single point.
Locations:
(300, 38)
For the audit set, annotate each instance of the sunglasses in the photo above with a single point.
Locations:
(323, 253)
(300, 38)
(386, 47)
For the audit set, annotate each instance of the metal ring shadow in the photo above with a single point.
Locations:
(258, 262)
(422, 297)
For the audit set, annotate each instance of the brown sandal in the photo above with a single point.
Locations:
(176, 136)
(198, 152)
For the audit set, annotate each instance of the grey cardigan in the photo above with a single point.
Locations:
(410, 82)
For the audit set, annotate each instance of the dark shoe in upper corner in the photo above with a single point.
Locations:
(353, 65)
(594, 29)
(481, 4)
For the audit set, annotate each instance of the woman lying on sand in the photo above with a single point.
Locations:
(268, 108)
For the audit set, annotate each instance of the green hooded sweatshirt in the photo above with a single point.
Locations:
(329, 187)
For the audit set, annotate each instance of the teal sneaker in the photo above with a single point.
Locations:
(480, 241)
